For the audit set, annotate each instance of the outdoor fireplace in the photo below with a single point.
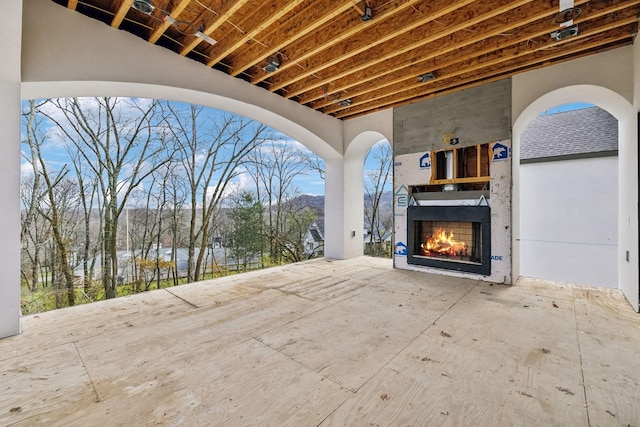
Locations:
(450, 237)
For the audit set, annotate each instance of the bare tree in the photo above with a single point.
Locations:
(212, 149)
(55, 205)
(87, 188)
(119, 139)
(375, 183)
(273, 169)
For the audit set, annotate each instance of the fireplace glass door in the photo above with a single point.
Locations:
(450, 237)
(449, 240)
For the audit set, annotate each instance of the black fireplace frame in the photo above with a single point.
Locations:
(479, 214)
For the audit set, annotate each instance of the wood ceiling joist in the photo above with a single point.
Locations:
(379, 31)
(333, 33)
(413, 38)
(480, 81)
(157, 33)
(263, 18)
(220, 20)
(72, 4)
(415, 62)
(295, 28)
(571, 47)
(502, 59)
(454, 59)
(121, 12)
(495, 77)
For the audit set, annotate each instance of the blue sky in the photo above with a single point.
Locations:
(566, 107)
(310, 183)
(56, 155)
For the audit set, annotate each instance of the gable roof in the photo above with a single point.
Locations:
(588, 130)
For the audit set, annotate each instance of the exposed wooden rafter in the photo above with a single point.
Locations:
(328, 54)
(454, 62)
(165, 24)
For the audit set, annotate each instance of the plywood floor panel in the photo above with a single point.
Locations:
(38, 387)
(53, 328)
(328, 342)
(350, 340)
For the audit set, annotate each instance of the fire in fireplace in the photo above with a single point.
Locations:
(450, 237)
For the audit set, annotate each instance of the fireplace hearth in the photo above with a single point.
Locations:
(450, 237)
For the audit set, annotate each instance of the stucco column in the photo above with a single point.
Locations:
(343, 208)
(10, 99)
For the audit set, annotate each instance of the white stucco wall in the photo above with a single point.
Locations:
(611, 70)
(569, 221)
(607, 80)
(10, 33)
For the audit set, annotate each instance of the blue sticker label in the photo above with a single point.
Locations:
(500, 152)
(425, 161)
(401, 249)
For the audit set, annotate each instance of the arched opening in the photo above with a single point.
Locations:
(349, 193)
(378, 200)
(176, 172)
(627, 218)
(569, 196)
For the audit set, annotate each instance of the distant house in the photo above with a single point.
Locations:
(377, 244)
(313, 240)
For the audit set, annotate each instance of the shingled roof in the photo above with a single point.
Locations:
(588, 130)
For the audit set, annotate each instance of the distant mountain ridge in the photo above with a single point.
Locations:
(316, 202)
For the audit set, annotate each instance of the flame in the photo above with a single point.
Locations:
(443, 243)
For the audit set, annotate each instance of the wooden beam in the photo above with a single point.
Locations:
(415, 39)
(163, 27)
(221, 19)
(72, 4)
(451, 63)
(498, 71)
(496, 77)
(121, 13)
(333, 34)
(296, 27)
(380, 32)
(415, 62)
(262, 20)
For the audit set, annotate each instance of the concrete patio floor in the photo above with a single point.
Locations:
(325, 343)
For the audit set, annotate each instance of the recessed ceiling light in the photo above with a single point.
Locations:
(565, 33)
(273, 64)
(143, 6)
(367, 15)
(426, 77)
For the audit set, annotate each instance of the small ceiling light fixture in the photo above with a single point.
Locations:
(345, 102)
(143, 6)
(206, 38)
(426, 77)
(565, 33)
(273, 64)
(368, 14)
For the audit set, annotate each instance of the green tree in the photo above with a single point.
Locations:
(245, 239)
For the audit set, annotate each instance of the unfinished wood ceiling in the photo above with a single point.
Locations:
(327, 55)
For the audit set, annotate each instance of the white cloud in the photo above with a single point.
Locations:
(26, 169)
